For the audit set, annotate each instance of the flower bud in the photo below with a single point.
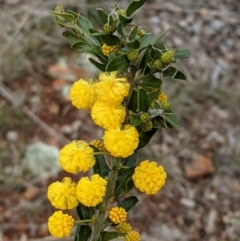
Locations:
(145, 116)
(167, 57)
(141, 32)
(108, 29)
(157, 64)
(121, 12)
(166, 105)
(132, 55)
(147, 126)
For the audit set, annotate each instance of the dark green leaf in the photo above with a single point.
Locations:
(97, 64)
(151, 82)
(84, 212)
(102, 15)
(124, 182)
(153, 95)
(83, 232)
(133, 33)
(138, 101)
(182, 54)
(135, 44)
(93, 34)
(120, 63)
(100, 166)
(110, 39)
(124, 19)
(133, 6)
(174, 73)
(128, 203)
(146, 58)
(131, 160)
(135, 120)
(145, 137)
(105, 235)
(120, 29)
(171, 118)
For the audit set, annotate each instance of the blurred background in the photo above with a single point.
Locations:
(201, 200)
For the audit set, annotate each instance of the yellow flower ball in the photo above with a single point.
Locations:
(108, 115)
(62, 195)
(124, 227)
(60, 225)
(149, 177)
(118, 215)
(132, 236)
(111, 87)
(162, 97)
(121, 143)
(82, 94)
(98, 144)
(77, 156)
(109, 49)
(90, 192)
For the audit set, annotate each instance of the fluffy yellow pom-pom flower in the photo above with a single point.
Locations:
(60, 225)
(162, 97)
(132, 236)
(112, 88)
(62, 195)
(98, 144)
(121, 143)
(124, 227)
(108, 115)
(82, 94)
(77, 156)
(149, 177)
(118, 215)
(90, 192)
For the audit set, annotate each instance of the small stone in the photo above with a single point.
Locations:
(200, 166)
(12, 136)
(30, 193)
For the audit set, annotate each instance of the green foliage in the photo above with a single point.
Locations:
(126, 48)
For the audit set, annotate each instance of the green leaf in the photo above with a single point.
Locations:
(125, 19)
(84, 212)
(131, 160)
(83, 232)
(151, 82)
(182, 54)
(133, 33)
(133, 6)
(124, 182)
(145, 137)
(82, 23)
(128, 203)
(71, 37)
(102, 15)
(143, 104)
(171, 118)
(84, 47)
(146, 58)
(174, 73)
(110, 39)
(138, 101)
(100, 166)
(120, 63)
(64, 19)
(135, 44)
(153, 95)
(120, 29)
(105, 235)
(151, 41)
(135, 120)
(97, 64)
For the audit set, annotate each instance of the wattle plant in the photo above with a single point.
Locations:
(128, 102)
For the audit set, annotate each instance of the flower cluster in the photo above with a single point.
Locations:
(126, 100)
